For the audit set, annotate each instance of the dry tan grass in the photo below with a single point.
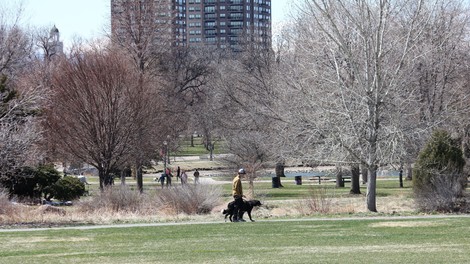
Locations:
(151, 212)
(405, 248)
(408, 224)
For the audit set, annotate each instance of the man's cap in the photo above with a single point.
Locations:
(241, 171)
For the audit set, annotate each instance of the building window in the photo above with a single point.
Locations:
(194, 8)
(210, 32)
(210, 24)
(194, 39)
(197, 24)
(194, 16)
(209, 9)
(210, 16)
(236, 23)
(211, 39)
(236, 16)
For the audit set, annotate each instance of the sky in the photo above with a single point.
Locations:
(88, 19)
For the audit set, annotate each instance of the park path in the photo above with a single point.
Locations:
(371, 218)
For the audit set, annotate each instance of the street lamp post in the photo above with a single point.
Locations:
(165, 144)
(168, 149)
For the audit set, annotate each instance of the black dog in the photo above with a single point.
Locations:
(247, 207)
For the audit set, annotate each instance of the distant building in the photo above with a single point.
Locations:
(56, 47)
(219, 23)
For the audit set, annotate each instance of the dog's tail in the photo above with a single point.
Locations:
(224, 211)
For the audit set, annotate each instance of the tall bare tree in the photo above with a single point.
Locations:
(96, 105)
(349, 84)
(144, 29)
(20, 102)
(244, 92)
(16, 45)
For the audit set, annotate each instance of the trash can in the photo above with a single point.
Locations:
(276, 182)
(298, 180)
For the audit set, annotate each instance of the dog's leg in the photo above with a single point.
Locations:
(249, 215)
(241, 214)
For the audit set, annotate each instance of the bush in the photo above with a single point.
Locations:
(6, 207)
(115, 199)
(190, 199)
(29, 182)
(444, 194)
(316, 202)
(21, 183)
(67, 188)
(46, 176)
(438, 181)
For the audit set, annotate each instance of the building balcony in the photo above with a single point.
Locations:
(236, 9)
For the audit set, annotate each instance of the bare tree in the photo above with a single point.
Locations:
(349, 85)
(244, 91)
(15, 43)
(20, 102)
(20, 131)
(144, 30)
(47, 43)
(96, 105)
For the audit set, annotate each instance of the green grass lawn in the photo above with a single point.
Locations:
(391, 240)
(198, 148)
(263, 187)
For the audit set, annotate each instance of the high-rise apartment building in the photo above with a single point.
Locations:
(220, 23)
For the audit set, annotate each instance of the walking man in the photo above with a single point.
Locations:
(237, 193)
(196, 176)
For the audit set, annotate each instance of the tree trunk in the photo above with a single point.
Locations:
(106, 179)
(251, 188)
(409, 172)
(355, 186)
(134, 172)
(211, 148)
(192, 140)
(339, 178)
(123, 177)
(400, 178)
(364, 174)
(371, 189)
(140, 183)
(280, 172)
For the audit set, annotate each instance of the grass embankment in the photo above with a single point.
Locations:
(430, 240)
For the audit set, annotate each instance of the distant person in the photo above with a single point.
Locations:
(184, 178)
(237, 193)
(196, 176)
(162, 179)
(168, 177)
(178, 173)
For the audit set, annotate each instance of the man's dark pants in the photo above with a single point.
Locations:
(236, 208)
